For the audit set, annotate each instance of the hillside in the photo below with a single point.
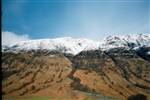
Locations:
(117, 72)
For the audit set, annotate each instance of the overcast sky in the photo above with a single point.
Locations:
(93, 19)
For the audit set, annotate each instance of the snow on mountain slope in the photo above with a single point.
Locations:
(127, 41)
(74, 46)
(66, 45)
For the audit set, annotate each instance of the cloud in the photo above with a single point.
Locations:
(9, 38)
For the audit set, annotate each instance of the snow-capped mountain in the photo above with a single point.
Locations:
(65, 45)
(74, 46)
(131, 41)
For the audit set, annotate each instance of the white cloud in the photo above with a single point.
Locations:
(9, 38)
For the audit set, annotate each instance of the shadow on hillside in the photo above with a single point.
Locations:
(137, 97)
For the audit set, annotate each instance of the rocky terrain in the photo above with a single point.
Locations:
(116, 72)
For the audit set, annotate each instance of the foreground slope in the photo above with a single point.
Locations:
(117, 73)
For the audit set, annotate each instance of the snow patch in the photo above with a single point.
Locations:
(148, 53)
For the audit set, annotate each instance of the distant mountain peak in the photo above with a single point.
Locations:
(135, 40)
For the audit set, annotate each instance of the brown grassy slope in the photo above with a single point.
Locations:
(120, 74)
(117, 74)
(28, 74)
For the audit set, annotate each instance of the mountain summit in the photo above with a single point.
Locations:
(75, 46)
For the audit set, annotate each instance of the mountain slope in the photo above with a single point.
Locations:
(118, 73)
(76, 69)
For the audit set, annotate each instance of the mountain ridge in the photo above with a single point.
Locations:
(76, 45)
